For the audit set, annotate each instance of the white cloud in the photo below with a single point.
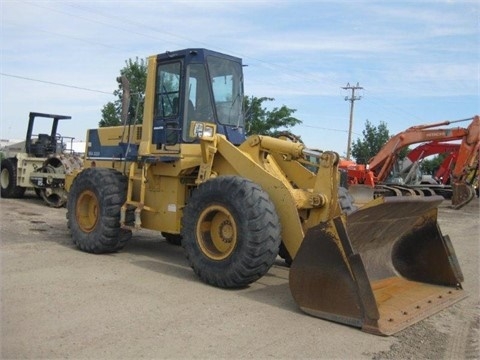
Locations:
(297, 51)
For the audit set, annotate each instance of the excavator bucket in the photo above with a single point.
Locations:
(463, 193)
(382, 268)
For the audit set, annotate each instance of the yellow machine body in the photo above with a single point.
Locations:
(380, 267)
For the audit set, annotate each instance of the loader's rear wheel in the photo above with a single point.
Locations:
(8, 180)
(94, 204)
(230, 232)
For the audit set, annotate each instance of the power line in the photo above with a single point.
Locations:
(54, 83)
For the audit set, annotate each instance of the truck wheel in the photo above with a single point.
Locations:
(93, 210)
(230, 232)
(8, 180)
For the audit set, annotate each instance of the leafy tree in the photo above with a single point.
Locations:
(136, 73)
(373, 140)
(261, 121)
(429, 166)
(110, 115)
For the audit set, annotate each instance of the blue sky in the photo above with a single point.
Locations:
(418, 61)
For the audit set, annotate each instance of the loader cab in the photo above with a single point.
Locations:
(196, 85)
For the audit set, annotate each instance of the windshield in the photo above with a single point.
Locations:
(227, 86)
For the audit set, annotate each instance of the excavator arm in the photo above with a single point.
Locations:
(466, 163)
(382, 163)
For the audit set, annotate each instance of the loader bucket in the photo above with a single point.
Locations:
(382, 268)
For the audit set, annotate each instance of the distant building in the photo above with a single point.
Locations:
(77, 146)
(6, 142)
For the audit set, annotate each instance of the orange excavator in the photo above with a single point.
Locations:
(408, 168)
(375, 175)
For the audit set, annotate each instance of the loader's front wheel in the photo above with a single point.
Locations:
(93, 210)
(230, 231)
(8, 180)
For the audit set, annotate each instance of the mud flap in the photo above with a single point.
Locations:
(383, 268)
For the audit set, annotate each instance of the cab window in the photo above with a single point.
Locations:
(167, 91)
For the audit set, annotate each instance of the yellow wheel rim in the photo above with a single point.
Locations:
(86, 211)
(216, 232)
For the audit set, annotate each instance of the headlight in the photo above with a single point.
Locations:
(208, 131)
(198, 129)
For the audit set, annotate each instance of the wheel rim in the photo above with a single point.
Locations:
(4, 178)
(86, 211)
(216, 232)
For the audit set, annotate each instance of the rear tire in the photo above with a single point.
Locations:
(8, 180)
(230, 232)
(94, 204)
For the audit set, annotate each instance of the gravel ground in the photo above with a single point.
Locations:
(145, 302)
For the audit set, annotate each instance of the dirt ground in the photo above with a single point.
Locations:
(145, 302)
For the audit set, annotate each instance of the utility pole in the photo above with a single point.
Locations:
(352, 99)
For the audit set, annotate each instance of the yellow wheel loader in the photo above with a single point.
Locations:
(189, 172)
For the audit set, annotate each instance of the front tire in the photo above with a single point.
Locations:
(8, 180)
(93, 210)
(230, 232)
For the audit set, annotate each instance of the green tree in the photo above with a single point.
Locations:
(136, 73)
(110, 115)
(373, 140)
(261, 121)
(430, 166)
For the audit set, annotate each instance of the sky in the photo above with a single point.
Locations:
(417, 61)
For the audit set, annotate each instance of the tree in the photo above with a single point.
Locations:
(373, 140)
(261, 121)
(110, 115)
(136, 73)
(430, 166)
